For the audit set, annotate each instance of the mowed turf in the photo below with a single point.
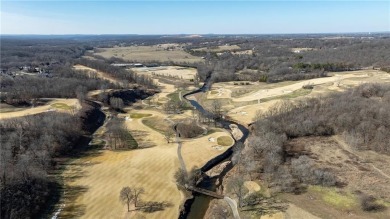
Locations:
(54, 104)
(102, 177)
(225, 141)
(199, 151)
(139, 115)
(61, 106)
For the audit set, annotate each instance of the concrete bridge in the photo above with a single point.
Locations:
(205, 192)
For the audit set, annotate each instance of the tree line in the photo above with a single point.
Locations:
(359, 115)
(30, 146)
(273, 60)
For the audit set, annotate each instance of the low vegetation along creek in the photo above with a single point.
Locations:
(196, 207)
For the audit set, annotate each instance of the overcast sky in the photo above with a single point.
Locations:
(192, 17)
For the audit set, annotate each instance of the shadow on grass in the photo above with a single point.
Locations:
(140, 136)
(152, 206)
(71, 210)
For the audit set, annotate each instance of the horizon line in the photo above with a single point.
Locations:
(189, 34)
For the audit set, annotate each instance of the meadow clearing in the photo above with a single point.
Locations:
(219, 48)
(94, 72)
(169, 71)
(259, 96)
(148, 54)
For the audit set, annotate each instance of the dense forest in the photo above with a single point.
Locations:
(29, 146)
(274, 60)
(48, 71)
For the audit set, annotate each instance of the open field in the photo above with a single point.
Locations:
(243, 52)
(197, 152)
(269, 96)
(148, 54)
(103, 175)
(63, 105)
(219, 48)
(6, 108)
(157, 123)
(169, 71)
(339, 77)
(92, 71)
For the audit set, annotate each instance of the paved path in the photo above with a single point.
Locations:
(205, 192)
(233, 205)
(181, 160)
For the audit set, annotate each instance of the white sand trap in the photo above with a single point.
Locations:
(252, 186)
(211, 139)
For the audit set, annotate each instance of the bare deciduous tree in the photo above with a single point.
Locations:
(236, 186)
(126, 196)
(168, 134)
(137, 192)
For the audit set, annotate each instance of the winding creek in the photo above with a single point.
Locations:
(197, 206)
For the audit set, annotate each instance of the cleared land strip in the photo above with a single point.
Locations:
(52, 105)
(346, 147)
(99, 74)
(290, 88)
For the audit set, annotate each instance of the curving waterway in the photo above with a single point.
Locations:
(196, 207)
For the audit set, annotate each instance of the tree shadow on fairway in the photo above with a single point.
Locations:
(140, 137)
(70, 209)
(152, 206)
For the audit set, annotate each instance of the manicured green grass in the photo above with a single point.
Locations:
(225, 141)
(213, 130)
(61, 106)
(139, 115)
(8, 110)
(341, 200)
(157, 124)
(174, 96)
(131, 142)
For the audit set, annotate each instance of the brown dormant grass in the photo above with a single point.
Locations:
(338, 82)
(99, 74)
(170, 71)
(148, 53)
(72, 103)
(104, 175)
(219, 48)
(200, 150)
